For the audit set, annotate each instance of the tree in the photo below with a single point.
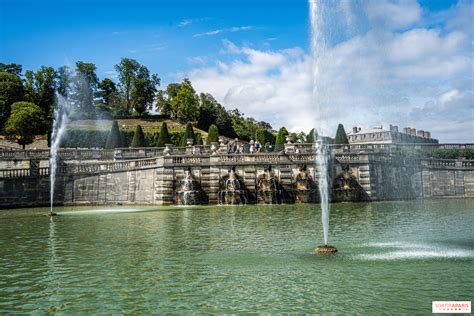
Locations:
(212, 134)
(25, 121)
(207, 111)
(264, 136)
(185, 105)
(11, 91)
(188, 133)
(163, 104)
(298, 137)
(126, 70)
(137, 84)
(280, 139)
(85, 83)
(144, 90)
(164, 137)
(114, 140)
(14, 69)
(138, 138)
(40, 87)
(106, 91)
(341, 136)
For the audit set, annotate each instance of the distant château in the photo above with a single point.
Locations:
(379, 135)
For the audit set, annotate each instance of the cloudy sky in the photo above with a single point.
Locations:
(376, 62)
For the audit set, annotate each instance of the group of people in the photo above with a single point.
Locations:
(236, 147)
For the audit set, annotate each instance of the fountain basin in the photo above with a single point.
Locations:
(325, 249)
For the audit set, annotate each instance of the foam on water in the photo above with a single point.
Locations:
(107, 210)
(413, 251)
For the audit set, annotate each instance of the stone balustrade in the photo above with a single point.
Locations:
(148, 152)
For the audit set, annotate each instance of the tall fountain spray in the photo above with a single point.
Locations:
(61, 118)
(318, 47)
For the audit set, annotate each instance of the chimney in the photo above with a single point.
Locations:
(354, 130)
(406, 130)
(427, 134)
(413, 131)
(395, 128)
(359, 129)
(420, 133)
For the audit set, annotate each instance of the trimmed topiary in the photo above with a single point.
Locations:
(138, 138)
(115, 137)
(341, 136)
(212, 134)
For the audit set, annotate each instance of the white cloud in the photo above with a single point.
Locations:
(232, 29)
(414, 77)
(185, 23)
(394, 14)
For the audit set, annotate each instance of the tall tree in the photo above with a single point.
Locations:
(341, 136)
(126, 71)
(207, 111)
(280, 139)
(163, 103)
(40, 87)
(14, 69)
(186, 103)
(25, 121)
(212, 134)
(11, 91)
(144, 90)
(137, 84)
(164, 137)
(106, 91)
(138, 138)
(86, 82)
(115, 137)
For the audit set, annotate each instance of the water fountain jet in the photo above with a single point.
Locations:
(61, 118)
(318, 47)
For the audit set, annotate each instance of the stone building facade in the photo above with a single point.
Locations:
(379, 135)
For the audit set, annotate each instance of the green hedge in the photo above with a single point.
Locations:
(96, 139)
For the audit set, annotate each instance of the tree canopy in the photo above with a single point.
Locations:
(138, 86)
(25, 121)
(11, 91)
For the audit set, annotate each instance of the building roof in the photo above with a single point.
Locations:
(369, 130)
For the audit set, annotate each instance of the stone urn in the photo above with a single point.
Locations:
(196, 150)
(168, 149)
(214, 148)
(190, 142)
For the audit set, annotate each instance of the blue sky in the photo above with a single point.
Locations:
(405, 62)
(164, 35)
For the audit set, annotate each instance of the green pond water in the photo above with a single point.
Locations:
(394, 257)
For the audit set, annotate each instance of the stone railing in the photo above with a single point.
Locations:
(148, 152)
(19, 173)
(85, 154)
(452, 163)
